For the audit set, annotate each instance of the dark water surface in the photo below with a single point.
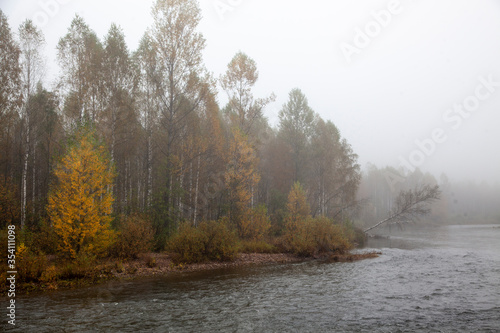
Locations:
(436, 280)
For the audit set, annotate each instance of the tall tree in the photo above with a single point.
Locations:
(80, 57)
(180, 81)
(10, 95)
(80, 203)
(120, 123)
(31, 42)
(145, 66)
(238, 81)
(47, 136)
(296, 127)
(335, 173)
(241, 177)
(118, 82)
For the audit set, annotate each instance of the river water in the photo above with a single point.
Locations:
(444, 279)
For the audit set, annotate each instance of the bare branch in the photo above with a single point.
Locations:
(411, 204)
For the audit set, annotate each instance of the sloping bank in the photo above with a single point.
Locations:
(161, 264)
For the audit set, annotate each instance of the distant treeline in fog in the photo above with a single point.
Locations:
(462, 202)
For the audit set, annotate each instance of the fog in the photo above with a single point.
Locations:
(408, 83)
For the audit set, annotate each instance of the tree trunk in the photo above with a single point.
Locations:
(195, 213)
(25, 171)
(410, 205)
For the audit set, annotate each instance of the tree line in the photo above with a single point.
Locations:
(176, 154)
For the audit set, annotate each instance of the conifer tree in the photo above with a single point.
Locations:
(80, 202)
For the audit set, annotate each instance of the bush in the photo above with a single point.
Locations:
(209, 241)
(188, 245)
(82, 266)
(257, 247)
(329, 237)
(314, 236)
(44, 239)
(297, 237)
(255, 224)
(29, 265)
(222, 242)
(135, 236)
(49, 275)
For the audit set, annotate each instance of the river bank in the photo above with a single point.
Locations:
(440, 279)
(161, 264)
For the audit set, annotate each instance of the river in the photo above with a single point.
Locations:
(444, 279)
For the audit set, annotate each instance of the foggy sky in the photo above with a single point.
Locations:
(408, 83)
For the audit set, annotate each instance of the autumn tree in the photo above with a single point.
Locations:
(297, 205)
(255, 224)
(243, 108)
(241, 178)
(298, 216)
(80, 201)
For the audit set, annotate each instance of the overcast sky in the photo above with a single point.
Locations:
(409, 83)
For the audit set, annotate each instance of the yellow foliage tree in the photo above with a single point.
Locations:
(297, 205)
(80, 202)
(255, 224)
(298, 219)
(241, 178)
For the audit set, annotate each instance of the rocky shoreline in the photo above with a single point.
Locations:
(153, 264)
(161, 264)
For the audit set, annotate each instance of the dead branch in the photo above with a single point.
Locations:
(411, 205)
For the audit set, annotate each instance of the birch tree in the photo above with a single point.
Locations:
(180, 79)
(80, 57)
(120, 120)
(148, 107)
(10, 95)
(31, 43)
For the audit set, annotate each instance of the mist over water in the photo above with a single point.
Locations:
(444, 279)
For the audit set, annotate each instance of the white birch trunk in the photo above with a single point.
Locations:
(195, 213)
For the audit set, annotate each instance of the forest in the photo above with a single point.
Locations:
(132, 151)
